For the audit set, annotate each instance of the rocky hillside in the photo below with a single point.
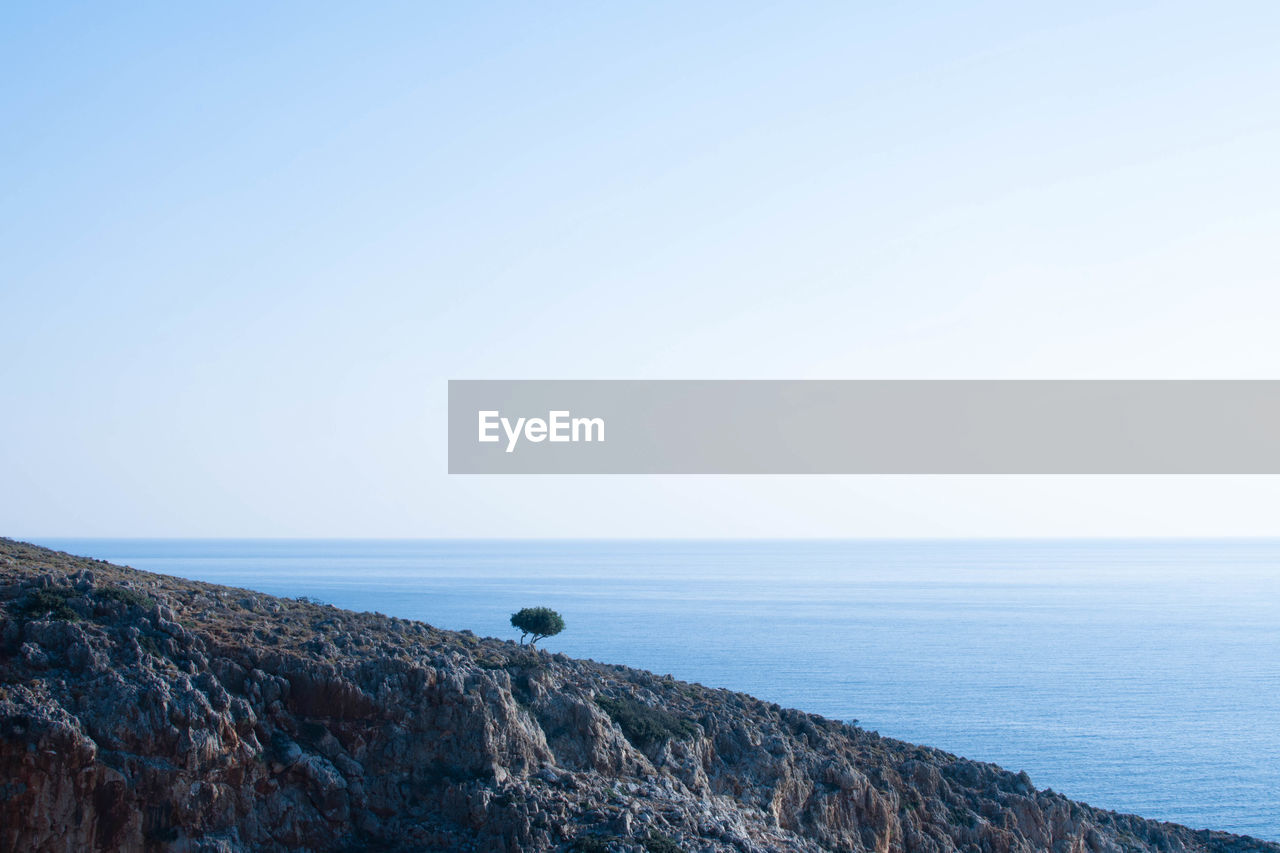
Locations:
(143, 712)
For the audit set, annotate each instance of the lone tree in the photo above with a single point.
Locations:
(538, 621)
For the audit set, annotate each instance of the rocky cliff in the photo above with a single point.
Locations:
(144, 712)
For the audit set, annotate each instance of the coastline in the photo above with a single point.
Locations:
(1085, 663)
(305, 724)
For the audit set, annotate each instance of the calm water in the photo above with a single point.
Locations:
(1140, 676)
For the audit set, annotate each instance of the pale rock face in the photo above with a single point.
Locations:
(172, 715)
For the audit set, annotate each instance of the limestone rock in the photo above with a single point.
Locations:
(152, 713)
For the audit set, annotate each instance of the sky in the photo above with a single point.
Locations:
(246, 245)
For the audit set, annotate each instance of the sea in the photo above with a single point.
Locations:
(1137, 675)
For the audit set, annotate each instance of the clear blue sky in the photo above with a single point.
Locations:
(244, 247)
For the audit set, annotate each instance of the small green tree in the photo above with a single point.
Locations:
(538, 621)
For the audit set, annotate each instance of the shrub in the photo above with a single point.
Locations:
(656, 842)
(645, 725)
(130, 597)
(538, 621)
(50, 602)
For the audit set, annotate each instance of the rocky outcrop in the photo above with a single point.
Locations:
(143, 712)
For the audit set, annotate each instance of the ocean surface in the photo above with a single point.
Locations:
(1141, 676)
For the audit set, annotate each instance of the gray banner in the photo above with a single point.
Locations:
(864, 427)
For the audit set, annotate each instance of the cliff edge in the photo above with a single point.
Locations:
(144, 712)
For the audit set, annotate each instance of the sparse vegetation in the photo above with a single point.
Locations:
(319, 680)
(51, 603)
(130, 597)
(645, 725)
(537, 622)
(657, 842)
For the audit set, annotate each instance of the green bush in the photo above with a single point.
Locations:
(130, 597)
(538, 621)
(656, 842)
(644, 725)
(51, 602)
